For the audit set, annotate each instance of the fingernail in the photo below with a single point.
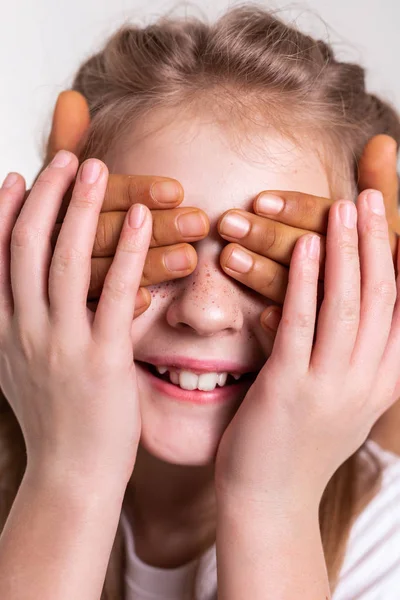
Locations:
(348, 214)
(269, 204)
(165, 192)
(10, 180)
(234, 225)
(191, 223)
(137, 215)
(90, 171)
(177, 260)
(375, 202)
(272, 320)
(61, 159)
(240, 261)
(140, 300)
(313, 245)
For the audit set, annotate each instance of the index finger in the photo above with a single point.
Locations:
(124, 190)
(298, 209)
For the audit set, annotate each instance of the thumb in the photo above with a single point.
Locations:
(378, 170)
(71, 118)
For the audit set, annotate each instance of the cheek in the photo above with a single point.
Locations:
(147, 320)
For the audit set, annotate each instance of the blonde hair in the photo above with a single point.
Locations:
(248, 65)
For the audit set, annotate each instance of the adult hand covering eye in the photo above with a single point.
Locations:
(169, 255)
(271, 238)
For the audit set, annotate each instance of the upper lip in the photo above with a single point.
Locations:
(198, 366)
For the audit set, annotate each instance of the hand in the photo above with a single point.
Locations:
(272, 237)
(310, 407)
(69, 375)
(70, 122)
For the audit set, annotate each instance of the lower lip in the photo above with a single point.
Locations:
(216, 396)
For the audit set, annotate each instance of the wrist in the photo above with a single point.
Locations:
(271, 513)
(75, 489)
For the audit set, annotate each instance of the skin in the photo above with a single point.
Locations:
(209, 304)
(201, 483)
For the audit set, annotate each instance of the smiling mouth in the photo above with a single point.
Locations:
(230, 381)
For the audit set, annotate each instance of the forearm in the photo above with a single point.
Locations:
(57, 540)
(267, 556)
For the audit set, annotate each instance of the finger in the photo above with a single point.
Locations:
(70, 267)
(263, 275)
(294, 338)
(71, 119)
(339, 316)
(388, 377)
(115, 311)
(170, 226)
(378, 284)
(263, 236)
(294, 208)
(378, 170)
(30, 240)
(161, 264)
(141, 302)
(11, 200)
(125, 190)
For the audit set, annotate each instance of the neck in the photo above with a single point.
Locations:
(165, 496)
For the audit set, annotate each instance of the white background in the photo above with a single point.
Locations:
(43, 42)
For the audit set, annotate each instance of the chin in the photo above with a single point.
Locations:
(183, 438)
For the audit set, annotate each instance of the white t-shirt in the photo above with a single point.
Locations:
(370, 571)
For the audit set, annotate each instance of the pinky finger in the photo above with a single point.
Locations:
(116, 308)
(294, 338)
(12, 197)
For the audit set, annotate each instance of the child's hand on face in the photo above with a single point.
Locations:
(311, 407)
(69, 374)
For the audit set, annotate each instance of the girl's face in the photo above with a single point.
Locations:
(206, 315)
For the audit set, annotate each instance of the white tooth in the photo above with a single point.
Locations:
(162, 370)
(207, 382)
(222, 377)
(188, 380)
(174, 377)
(236, 376)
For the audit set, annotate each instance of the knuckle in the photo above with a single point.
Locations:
(347, 310)
(83, 199)
(269, 281)
(307, 275)
(116, 288)
(130, 243)
(46, 179)
(104, 234)
(303, 321)
(386, 291)
(310, 207)
(348, 249)
(159, 225)
(271, 238)
(64, 257)
(135, 188)
(24, 234)
(377, 228)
